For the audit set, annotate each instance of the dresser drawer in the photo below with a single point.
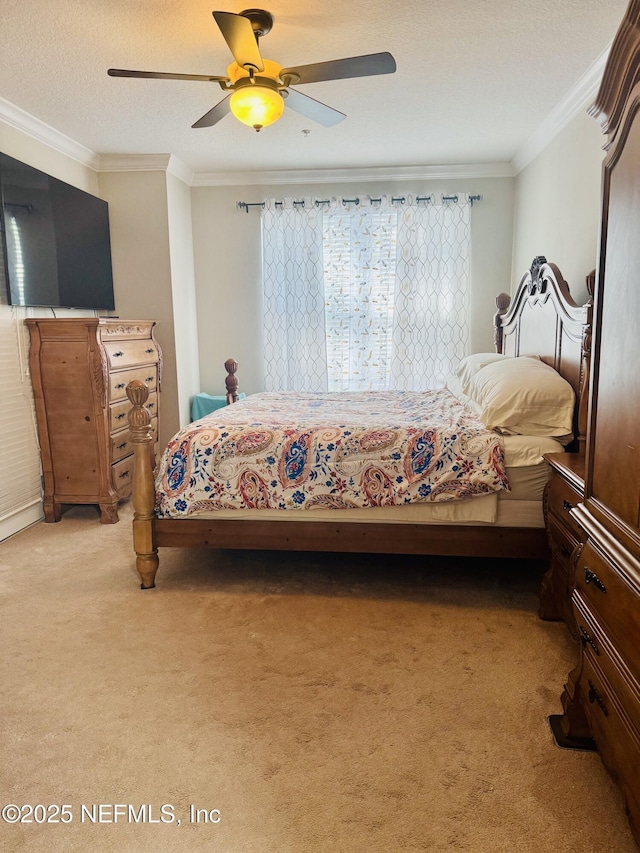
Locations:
(119, 380)
(122, 476)
(121, 443)
(563, 540)
(119, 411)
(613, 601)
(131, 353)
(561, 498)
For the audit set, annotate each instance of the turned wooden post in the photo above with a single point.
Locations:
(144, 494)
(503, 301)
(231, 381)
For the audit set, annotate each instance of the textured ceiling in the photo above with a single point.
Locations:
(474, 77)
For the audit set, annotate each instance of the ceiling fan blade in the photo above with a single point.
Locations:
(214, 115)
(239, 35)
(161, 75)
(313, 109)
(339, 69)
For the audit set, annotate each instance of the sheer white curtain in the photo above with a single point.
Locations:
(366, 296)
(431, 324)
(295, 353)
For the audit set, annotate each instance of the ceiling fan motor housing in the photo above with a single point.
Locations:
(261, 21)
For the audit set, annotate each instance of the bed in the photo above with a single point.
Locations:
(490, 519)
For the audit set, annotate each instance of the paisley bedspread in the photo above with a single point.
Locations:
(334, 451)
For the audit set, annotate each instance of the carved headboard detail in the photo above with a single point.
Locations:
(543, 319)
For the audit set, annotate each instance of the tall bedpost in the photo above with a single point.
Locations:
(144, 540)
(503, 301)
(231, 381)
(585, 368)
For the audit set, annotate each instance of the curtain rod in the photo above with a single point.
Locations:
(471, 199)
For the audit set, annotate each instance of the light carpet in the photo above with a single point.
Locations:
(301, 703)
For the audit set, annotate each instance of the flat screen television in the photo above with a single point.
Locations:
(55, 239)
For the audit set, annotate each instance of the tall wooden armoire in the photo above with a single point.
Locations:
(602, 697)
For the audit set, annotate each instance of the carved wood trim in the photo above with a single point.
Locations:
(98, 362)
(541, 285)
(621, 74)
(160, 357)
(124, 329)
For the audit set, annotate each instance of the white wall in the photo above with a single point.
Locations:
(227, 260)
(557, 205)
(142, 268)
(183, 291)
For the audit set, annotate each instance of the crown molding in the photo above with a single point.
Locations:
(579, 98)
(146, 163)
(329, 176)
(180, 170)
(33, 127)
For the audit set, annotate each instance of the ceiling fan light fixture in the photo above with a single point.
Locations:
(256, 104)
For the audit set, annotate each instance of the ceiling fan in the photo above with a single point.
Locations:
(258, 86)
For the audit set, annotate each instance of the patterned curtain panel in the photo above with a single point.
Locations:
(431, 320)
(295, 354)
(370, 296)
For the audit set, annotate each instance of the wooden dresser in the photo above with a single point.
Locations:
(564, 491)
(80, 369)
(602, 697)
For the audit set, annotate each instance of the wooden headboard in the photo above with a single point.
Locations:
(544, 320)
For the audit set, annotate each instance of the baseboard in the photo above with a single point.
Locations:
(20, 519)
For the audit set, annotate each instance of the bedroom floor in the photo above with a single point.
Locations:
(298, 703)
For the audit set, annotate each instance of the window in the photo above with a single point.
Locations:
(364, 297)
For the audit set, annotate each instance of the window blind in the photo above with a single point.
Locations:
(20, 479)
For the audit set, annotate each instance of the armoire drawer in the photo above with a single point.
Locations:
(119, 380)
(617, 739)
(612, 600)
(598, 647)
(118, 412)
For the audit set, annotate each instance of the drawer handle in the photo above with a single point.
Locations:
(120, 416)
(566, 505)
(151, 405)
(120, 385)
(587, 640)
(149, 378)
(122, 446)
(124, 474)
(150, 350)
(592, 577)
(118, 354)
(594, 696)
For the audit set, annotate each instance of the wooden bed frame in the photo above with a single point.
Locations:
(543, 320)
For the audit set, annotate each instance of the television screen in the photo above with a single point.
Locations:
(56, 239)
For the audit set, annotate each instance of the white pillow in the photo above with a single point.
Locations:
(524, 396)
(471, 364)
